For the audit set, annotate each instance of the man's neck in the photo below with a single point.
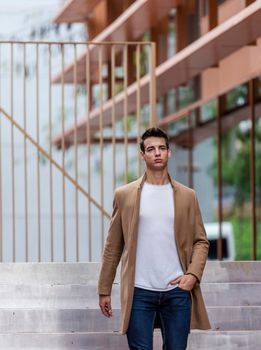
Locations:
(157, 177)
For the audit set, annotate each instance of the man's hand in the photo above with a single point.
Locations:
(105, 305)
(186, 282)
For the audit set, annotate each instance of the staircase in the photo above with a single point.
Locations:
(55, 306)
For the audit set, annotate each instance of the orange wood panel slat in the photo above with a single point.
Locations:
(130, 26)
(76, 11)
(206, 52)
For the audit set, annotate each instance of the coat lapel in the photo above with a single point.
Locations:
(135, 216)
(178, 207)
(135, 219)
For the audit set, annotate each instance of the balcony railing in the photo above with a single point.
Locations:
(55, 200)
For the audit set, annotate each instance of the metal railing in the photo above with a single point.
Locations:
(54, 200)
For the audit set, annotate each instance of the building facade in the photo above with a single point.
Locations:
(208, 88)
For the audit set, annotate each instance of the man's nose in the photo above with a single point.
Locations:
(157, 151)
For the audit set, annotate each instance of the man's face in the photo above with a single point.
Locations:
(156, 154)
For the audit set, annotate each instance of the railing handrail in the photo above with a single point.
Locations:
(101, 43)
(40, 149)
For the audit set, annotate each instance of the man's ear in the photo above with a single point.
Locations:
(169, 153)
(141, 155)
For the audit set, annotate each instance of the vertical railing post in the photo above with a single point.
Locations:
(38, 154)
(219, 175)
(75, 74)
(12, 149)
(138, 106)
(153, 112)
(101, 142)
(1, 192)
(113, 119)
(50, 147)
(251, 98)
(25, 151)
(88, 142)
(125, 120)
(63, 156)
(190, 150)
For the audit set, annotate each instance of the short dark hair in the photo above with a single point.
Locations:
(153, 132)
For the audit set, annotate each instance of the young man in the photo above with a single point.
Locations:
(157, 231)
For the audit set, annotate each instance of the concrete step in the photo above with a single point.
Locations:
(227, 340)
(91, 320)
(75, 296)
(57, 321)
(87, 273)
(235, 318)
(84, 296)
(232, 271)
(55, 306)
(49, 273)
(232, 294)
(210, 340)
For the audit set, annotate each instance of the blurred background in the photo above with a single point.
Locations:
(81, 80)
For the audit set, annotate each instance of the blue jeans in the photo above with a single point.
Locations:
(173, 309)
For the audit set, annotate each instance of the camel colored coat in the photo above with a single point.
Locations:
(191, 241)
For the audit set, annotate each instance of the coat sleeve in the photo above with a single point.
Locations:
(112, 251)
(200, 246)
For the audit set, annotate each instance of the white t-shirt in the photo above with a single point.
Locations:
(157, 261)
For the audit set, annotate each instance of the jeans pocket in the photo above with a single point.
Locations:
(183, 290)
